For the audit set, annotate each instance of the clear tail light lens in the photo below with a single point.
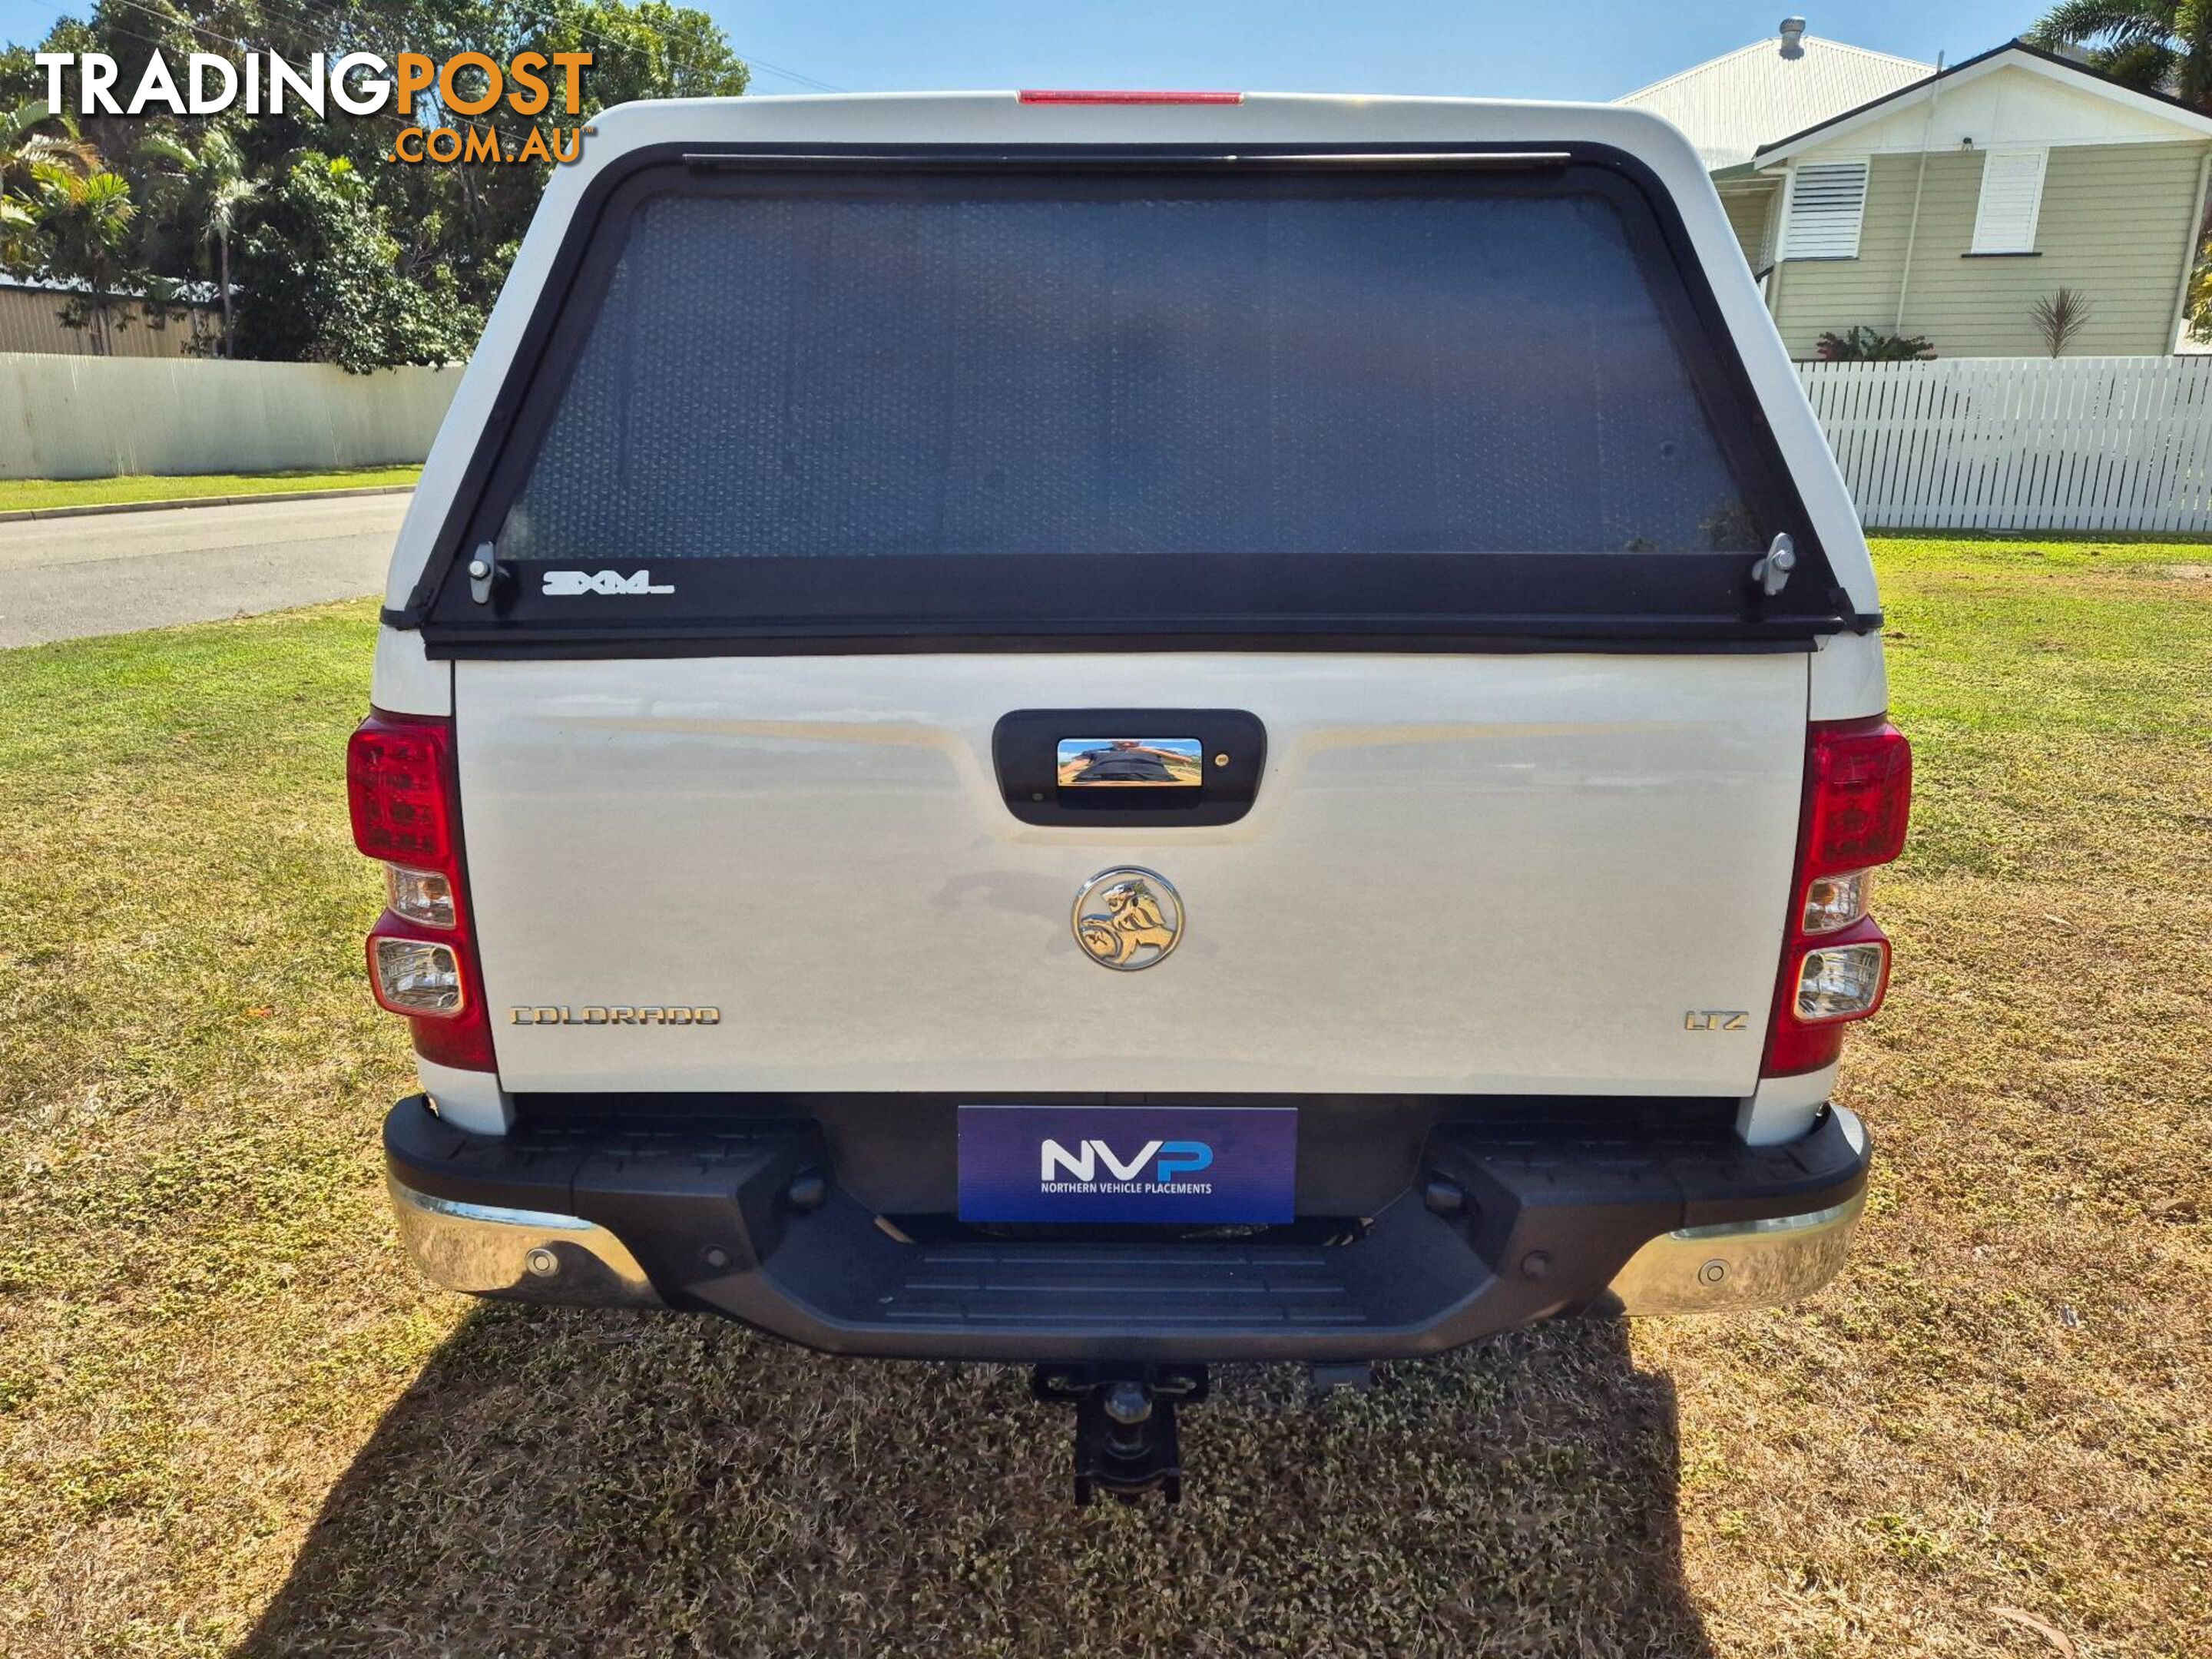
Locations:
(423, 896)
(1833, 903)
(1842, 982)
(415, 976)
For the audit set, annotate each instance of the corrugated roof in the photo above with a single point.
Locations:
(1731, 105)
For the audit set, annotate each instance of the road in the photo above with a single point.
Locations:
(110, 572)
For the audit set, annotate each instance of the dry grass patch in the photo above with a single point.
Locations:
(230, 1420)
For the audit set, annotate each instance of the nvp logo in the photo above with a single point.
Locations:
(1113, 1164)
(567, 583)
(1168, 1159)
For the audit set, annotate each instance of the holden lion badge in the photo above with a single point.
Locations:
(1126, 919)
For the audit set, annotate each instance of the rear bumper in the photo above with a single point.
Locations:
(1493, 1237)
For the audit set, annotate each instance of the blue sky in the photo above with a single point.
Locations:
(1593, 49)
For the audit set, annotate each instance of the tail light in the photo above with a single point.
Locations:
(1835, 962)
(422, 953)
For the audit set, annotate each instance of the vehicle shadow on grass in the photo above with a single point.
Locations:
(572, 1483)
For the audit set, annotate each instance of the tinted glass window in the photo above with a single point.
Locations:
(956, 365)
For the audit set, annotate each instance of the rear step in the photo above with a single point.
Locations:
(753, 1224)
(1123, 1285)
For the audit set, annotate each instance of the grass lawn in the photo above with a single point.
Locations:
(231, 1418)
(17, 494)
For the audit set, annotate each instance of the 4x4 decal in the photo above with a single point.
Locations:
(567, 583)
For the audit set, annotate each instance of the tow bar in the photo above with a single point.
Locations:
(1124, 1425)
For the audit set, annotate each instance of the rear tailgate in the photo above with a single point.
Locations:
(1441, 468)
(1461, 874)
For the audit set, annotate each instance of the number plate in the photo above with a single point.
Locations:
(1150, 1163)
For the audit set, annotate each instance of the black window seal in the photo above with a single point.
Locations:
(506, 444)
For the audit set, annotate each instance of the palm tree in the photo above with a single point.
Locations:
(212, 185)
(24, 144)
(84, 219)
(2153, 45)
(18, 234)
(27, 141)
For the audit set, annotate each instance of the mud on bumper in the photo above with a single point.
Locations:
(748, 1222)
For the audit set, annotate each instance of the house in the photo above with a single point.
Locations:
(1871, 189)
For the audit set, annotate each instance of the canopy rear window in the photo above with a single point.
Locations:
(849, 401)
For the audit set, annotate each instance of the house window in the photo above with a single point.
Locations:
(1827, 199)
(2012, 197)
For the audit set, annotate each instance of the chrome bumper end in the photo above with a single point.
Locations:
(525, 1255)
(1739, 1264)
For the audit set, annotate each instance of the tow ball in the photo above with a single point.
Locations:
(1124, 1425)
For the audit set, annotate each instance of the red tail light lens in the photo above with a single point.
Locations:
(1035, 96)
(1835, 961)
(1858, 788)
(396, 781)
(405, 801)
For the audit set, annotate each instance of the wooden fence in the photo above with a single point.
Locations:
(2022, 443)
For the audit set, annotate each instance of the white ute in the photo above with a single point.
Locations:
(1120, 730)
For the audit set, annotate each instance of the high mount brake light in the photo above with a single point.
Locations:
(1835, 961)
(405, 803)
(1035, 96)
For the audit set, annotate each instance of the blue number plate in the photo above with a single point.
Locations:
(1075, 1163)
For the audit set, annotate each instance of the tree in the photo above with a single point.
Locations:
(30, 137)
(649, 49)
(372, 262)
(18, 234)
(2153, 45)
(322, 267)
(208, 190)
(81, 223)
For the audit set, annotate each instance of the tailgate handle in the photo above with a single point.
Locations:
(1103, 766)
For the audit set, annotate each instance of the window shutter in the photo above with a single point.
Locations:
(1827, 199)
(2012, 197)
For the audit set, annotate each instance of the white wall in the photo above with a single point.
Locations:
(2010, 104)
(91, 417)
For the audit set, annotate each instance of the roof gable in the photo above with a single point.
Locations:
(2015, 94)
(1756, 95)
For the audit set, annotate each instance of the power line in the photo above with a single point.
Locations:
(806, 81)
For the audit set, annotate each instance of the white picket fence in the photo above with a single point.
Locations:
(2022, 443)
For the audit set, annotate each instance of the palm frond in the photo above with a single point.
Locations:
(2114, 23)
(2145, 66)
(169, 148)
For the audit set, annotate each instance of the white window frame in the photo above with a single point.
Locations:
(1998, 235)
(1834, 243)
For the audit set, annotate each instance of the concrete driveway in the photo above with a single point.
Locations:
(110, 572)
